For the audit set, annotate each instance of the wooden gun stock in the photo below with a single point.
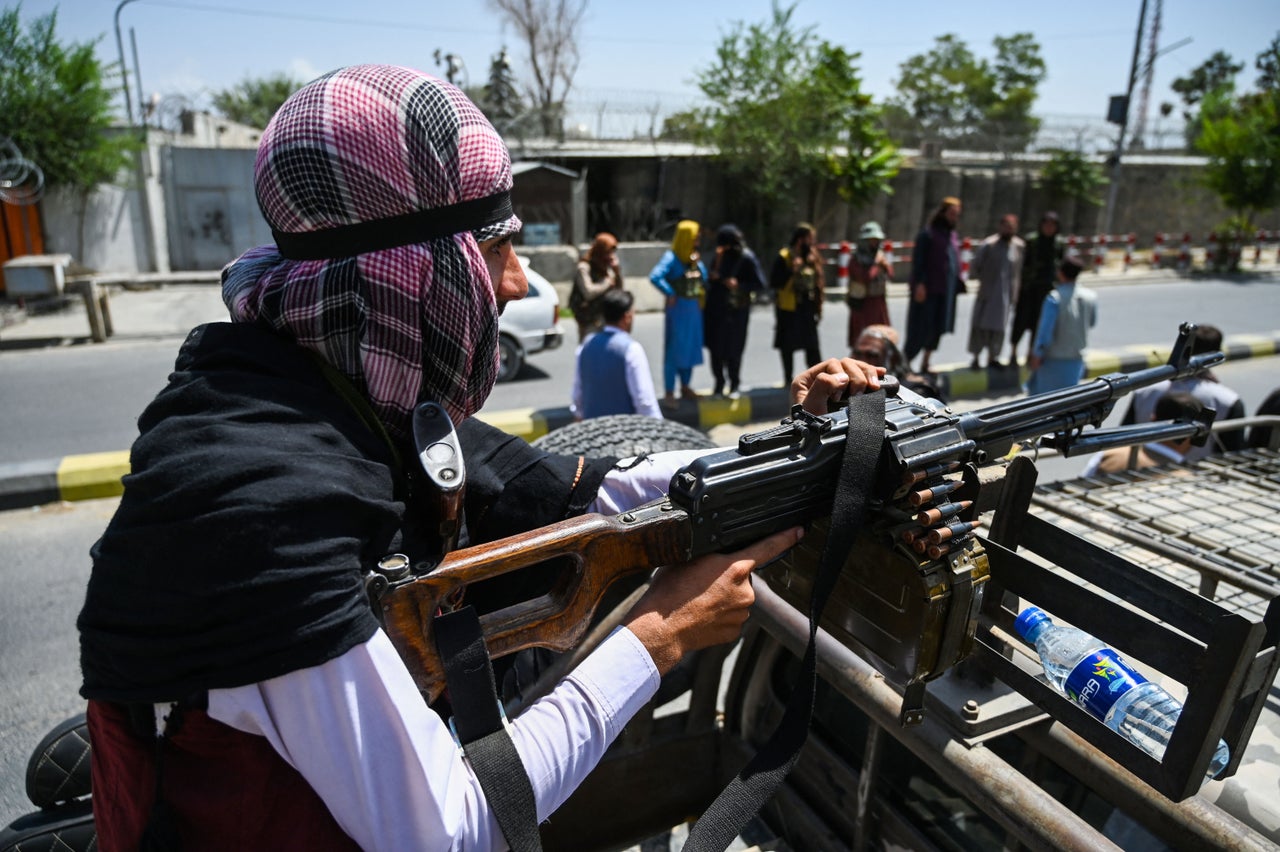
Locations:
(598, 550)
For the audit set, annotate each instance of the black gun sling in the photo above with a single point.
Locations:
(765, 771)
(477, 723)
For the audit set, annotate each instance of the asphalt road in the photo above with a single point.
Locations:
(43, 573)
(86, 398)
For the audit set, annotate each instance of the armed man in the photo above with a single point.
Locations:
(227, 640)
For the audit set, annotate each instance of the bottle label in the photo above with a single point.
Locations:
(1098, 681)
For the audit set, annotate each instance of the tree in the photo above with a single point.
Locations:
(57, 107)
(1268, 65)
(1015, 77)
(1241, 138)
(950, 94)
(549, 29)
(500, 99)
(788, 109)
(1072, 175)
(254, 101)
(1216, 73)
(686, 126)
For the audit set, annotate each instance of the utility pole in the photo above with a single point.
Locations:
(1114, 189)
(454, 66)
(157, 256)
(1148, 71)
(124, 68)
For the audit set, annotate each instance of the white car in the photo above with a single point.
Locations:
(529, 325)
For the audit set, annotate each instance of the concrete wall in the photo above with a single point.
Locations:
(1153, 196)
(213, 214)
(113, 228)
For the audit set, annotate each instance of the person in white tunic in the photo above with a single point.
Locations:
(997, 266)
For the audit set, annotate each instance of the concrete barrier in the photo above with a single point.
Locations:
(554, 263)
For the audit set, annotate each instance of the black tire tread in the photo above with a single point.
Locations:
(623, 435)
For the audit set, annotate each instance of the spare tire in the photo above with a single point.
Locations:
(623, 435)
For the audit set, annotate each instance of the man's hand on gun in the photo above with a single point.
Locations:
(832, 381)
(703, 603)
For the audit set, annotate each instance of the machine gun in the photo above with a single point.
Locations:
(913, 582)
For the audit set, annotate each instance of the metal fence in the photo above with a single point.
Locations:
(617, 114)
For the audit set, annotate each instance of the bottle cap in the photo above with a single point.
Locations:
(1028, 619)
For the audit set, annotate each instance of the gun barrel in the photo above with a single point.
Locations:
(1125, 436)
(1070, 408)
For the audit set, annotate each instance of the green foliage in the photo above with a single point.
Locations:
(686, 126)
(1268, 65)
(1241, 138)
(56, 106)
(1072, 175)
(1215, 74)
(1233, 233)
(788, 107)
(254, 101)
(500, 99)
(950, 94)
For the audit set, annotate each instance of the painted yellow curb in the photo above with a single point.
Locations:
(93, 475)
(1260, 346)
(966, 381)
(718, 411)
(527, 423)
(1155, 357)
(1101, 363)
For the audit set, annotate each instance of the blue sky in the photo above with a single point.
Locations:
(649, 51)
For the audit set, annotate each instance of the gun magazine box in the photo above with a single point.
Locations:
(911, 616)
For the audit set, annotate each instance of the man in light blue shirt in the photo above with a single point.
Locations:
(611, 375)
(1057, 356)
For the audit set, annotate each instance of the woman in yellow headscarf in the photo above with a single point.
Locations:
(681, 277)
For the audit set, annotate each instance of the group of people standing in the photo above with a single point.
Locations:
(708, 304)
(714, 313)
(1025, 286)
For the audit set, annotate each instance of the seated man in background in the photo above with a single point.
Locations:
(1205, 387)
(878, 345)
(1174, 405)
(611, 374)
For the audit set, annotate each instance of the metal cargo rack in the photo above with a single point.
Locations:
(985, 741)
(1217, 530)
(1157, 536)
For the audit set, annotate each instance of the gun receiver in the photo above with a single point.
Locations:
(774, 480)
(787, 476)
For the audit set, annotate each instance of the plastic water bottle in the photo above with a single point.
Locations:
(1098, 679)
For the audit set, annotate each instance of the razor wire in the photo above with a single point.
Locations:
(21, 180)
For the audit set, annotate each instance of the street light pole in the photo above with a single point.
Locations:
(1114, 189)
(124, 68)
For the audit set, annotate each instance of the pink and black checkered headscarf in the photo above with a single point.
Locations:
(378, 182)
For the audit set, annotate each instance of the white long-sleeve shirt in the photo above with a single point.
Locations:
(385, 764)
